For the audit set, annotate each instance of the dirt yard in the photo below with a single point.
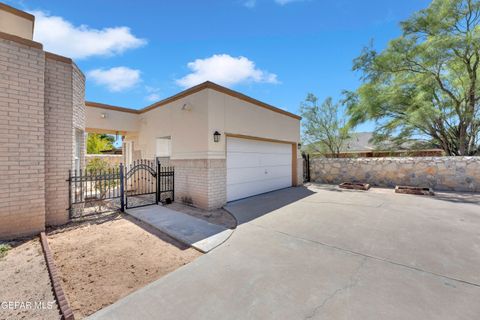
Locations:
(103, 260)
(218, 216)
(24, 279)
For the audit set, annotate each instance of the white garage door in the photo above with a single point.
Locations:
(255, 167)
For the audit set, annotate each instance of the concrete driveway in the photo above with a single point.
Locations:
(325, 253)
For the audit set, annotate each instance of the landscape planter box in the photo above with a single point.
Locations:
(414, 190)
(354, 185)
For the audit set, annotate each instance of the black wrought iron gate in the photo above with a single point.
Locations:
(140, 185)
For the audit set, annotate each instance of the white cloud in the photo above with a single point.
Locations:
(152, 97)
(115, 79)
(153, 94)
(284, 2)
(78, 42)
(225, 70)
(250, 3)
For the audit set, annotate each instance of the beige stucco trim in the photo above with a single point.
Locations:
(197, 88)
(110, 107)
(17, 12)
(16, 22)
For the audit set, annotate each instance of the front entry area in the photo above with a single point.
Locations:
(257, 166)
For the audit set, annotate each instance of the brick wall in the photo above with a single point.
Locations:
(201, 183)
(79, 113)
(22, 151)
(439, 173)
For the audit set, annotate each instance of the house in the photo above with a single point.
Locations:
(224, 145)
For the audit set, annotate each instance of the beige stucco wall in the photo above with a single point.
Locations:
(113, 120)
(231, 115)
(188, 129)
(16, 25)
(192, 130)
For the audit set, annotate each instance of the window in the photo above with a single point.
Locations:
(163, 147)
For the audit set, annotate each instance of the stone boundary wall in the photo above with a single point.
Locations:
(439, 173)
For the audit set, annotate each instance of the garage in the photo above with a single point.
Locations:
(257, 166)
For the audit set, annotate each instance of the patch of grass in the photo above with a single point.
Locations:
(3, 249)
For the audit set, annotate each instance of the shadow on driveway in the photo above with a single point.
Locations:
(251, 208)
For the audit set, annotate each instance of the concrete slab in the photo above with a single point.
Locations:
(199, 234)
(328, 254)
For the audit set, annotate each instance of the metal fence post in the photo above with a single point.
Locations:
(157, 184)
(122, 190)
(69, 194)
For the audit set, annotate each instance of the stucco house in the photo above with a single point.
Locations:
(224, 145)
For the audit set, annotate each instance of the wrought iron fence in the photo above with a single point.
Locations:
(144, 182)
(165, 184)
(91, 191)
(306, 167)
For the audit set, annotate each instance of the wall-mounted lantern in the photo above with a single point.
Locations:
(216, 136)
(103, 115)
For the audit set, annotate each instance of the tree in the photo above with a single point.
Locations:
(99, 142)
(425, 83)
(324, 126)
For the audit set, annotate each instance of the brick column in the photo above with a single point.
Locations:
(22, 150)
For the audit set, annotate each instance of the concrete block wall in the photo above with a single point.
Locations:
(22, 144)
(79, 112)
(439, 173)
(41, 108)
(200, 182)
(64, 117)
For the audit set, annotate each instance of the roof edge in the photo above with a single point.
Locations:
(17, 39)
(192, 90)
(110, 107)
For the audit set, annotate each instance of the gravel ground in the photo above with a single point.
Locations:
(24, 279)
(106, 258)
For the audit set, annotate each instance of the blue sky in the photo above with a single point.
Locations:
(136, 52)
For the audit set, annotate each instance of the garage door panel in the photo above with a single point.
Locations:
(254, 146)
(253, 174)
(237, 191)
(255, 167)
(245, 160)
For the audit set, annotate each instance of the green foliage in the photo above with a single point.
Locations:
(96, 143)
(324, 126)
(4, 249)
(425, 83)
(101, 168)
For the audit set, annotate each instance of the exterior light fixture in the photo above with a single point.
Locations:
(216, 136)
(103, 115)
(299, 145)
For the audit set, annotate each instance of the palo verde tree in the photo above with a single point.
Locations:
(425, 83)
(324, 128)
